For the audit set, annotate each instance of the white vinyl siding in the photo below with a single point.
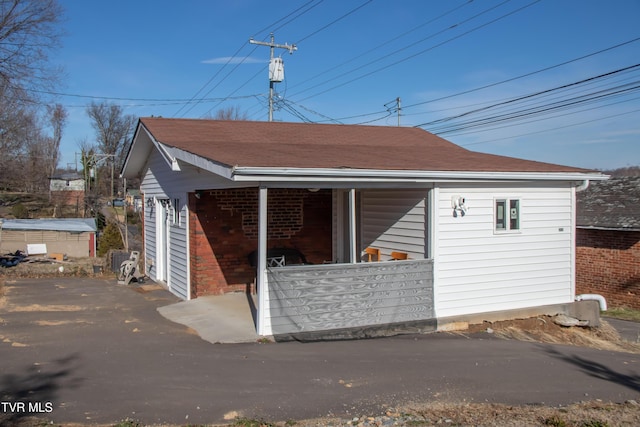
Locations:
(482, 271)
(178, 253)
(160, 182)
(394, 220)
(177, 269)
(151, 190)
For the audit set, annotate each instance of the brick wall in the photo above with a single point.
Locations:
(608, 263)
(224, 231)
(68, 198)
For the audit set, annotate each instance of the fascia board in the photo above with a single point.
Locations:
(370, 175)
(167, 156)
(138, 150)
(200, 162)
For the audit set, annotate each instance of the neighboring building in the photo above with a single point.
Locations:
(227, 202)
(67, 190)
(133, 200)
(74, 237)
(608, 241)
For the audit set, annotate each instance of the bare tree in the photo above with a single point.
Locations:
(18, 129)
(35, 176)
(113, 130)
(113, 127)
(29, 31)
(230, 113)
(57, 116)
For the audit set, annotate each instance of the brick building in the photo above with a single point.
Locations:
(67, 190)
(608, 241)
(399, 228)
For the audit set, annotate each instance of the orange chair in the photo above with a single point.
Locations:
(372, 252)
(398, 256)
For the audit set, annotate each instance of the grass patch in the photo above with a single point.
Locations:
(247, 422)
(128, 422)
(622, 313)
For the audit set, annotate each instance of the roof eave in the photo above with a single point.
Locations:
(199, 162)
(138, 154)
(607, 228)
(264, 174)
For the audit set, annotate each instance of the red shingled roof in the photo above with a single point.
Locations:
(303, 145)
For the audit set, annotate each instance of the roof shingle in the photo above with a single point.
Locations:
(304, 145)
(613, 204)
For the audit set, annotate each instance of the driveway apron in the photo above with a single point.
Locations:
(87, 350)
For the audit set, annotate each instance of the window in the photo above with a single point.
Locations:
(507, 214)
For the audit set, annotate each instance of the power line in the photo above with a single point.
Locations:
(526, 122)
(208, 82)
(420, 52)
(526, 74)
(532, 112)
(528, 96)
(230, 95)
(378, 47)
(230, 59)
(405, 107)
(273, 30)
(398, 51)
(334, 21)
(327, 118)
(551, 129)
(309, 35)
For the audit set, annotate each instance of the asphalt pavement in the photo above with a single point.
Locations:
(91, 351)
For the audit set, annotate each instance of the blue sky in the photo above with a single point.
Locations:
(154, 56)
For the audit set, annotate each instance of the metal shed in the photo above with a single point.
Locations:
(75, 237)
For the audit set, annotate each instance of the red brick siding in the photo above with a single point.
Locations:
(608, 263)
(68, 198)
(224, 230)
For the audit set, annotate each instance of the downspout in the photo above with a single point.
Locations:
(583, 186)
(593, 297)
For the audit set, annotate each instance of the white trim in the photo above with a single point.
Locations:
(199, 162)
(188, 237)
(352, 226)
(574, 215)
(162, 149)
(161, 241)
(261, 271)
(507, 220)
(240, 173)
(434, 196)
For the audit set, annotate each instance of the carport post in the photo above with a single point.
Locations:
(261, 273)
(352, 225)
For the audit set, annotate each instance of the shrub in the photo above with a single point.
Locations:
(110, 239)
(20, 211)
(133, 218)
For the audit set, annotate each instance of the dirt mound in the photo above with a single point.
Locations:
(544, 329)
(42, 267)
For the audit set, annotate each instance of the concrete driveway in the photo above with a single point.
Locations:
(90, 351)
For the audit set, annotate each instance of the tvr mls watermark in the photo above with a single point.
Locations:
(26, 407)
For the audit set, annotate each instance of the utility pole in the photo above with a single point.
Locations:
(276, 68)
(397, 108)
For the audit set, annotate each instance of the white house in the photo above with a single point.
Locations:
(67, 189)
(345, 228)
